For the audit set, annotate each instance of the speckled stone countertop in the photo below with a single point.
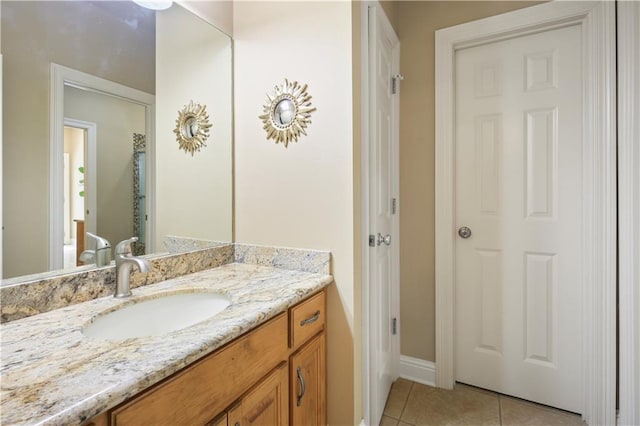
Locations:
(53, 374)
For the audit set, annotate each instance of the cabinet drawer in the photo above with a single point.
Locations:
(306, 319)
(196, 394)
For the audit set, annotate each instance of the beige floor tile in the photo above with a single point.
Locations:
(397, 398)
(388, 421)
(461, 406)
(522, 413)
(404, 424)
(473, 388)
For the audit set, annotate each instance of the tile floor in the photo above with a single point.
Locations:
(415, 404)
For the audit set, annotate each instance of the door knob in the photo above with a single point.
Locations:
(464, 232)
(384, 239)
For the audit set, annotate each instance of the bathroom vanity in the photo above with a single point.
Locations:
(246, 382)
(261, 360)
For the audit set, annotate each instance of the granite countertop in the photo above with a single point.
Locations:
(53, 374)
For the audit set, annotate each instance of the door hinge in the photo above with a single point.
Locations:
(394, 83)
(394, 326)
(394, 205)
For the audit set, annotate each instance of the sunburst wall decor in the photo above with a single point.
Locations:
(287, 112)
(192, 127)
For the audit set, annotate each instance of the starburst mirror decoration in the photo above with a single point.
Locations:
(192, 127)
(287, 112)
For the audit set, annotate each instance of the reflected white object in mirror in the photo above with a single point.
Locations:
(284, 112)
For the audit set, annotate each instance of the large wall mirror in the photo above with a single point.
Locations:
(91, 93)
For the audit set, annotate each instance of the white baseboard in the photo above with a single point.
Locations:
(418, 370)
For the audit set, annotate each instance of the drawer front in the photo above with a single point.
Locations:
(195, 395)
(307, 319)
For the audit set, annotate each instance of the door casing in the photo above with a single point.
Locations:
(628, 49)
(597, 21)
(90, 184)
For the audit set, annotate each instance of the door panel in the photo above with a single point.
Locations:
(518, 185)
(383, 289)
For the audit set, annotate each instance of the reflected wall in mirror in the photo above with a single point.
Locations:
(173, 56)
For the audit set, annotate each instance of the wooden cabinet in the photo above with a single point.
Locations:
(198, 393)
(274, 376)
(267, 404)
(79, 240)
(308, 384)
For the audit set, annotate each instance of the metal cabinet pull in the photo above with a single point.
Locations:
(311, 319)
(303, 387)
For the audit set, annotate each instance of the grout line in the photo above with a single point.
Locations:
(406, 400)
(500, 407)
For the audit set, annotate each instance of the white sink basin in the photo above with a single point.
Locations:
(153, 317)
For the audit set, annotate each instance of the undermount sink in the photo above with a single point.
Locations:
(157, 316)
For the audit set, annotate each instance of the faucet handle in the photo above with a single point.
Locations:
(124, 247)
(101, 243)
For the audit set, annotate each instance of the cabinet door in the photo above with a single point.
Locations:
(308, 384)
(208, 386)
(266, 403)
(220, 420)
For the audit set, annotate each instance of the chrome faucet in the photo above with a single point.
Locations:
(101, 256)
(124, 261)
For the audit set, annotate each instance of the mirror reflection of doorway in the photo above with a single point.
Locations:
(109, 164)
(74, 192)
(80, 196)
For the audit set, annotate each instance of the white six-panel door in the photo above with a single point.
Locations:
(518, 139)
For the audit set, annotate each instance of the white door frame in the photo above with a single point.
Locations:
(61, 76)
(629, 209)
(597, 20)
(90, 172)
(368, 315)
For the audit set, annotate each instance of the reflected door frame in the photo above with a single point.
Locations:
(90, 174)
(63, 76)
(597, 21)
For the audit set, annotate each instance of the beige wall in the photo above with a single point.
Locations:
(33, 35)
(116, 122)
(416, 23)
(218, 13)
(301, 196)
(193, 192)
